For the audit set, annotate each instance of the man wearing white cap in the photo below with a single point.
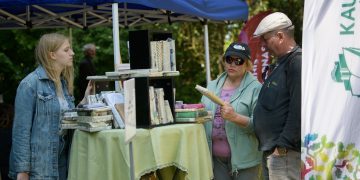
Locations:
(277, 115)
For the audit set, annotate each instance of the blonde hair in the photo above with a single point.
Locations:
(50, 43)
(248, 65)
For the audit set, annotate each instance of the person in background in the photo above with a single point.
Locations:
(277, 116)
(230, 135)
(39, 147)
(86, 67)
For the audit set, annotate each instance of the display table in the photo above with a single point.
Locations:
(104, 155)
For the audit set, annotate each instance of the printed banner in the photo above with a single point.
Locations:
(331, 90)
(259, 55)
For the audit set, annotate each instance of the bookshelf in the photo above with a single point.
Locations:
(140, 58)
(140, 70)
(142, 97)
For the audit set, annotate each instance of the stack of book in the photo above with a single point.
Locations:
(196, 114)
(69, 119)
(94, 119)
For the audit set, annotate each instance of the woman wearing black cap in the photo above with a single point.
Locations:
(230, 135)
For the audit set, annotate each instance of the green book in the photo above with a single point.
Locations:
(194, 120)
(191, 114)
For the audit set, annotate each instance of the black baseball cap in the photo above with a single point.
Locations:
(237, 49)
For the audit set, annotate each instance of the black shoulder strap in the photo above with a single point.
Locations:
(298, 51)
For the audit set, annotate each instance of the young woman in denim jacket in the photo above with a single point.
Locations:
(39, 148)
(230, 135)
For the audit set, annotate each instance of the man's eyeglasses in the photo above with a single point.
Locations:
(270, 35)
(238, 61)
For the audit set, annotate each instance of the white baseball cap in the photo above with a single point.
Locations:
(273, 21)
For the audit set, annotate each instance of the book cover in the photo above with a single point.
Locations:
(154, 60)
(172, 54)
(154, 115)
(111, 99)
(169, 114)
(130, 110)
(166, 56)
(159, 55)
(120, 108)
(159, 92)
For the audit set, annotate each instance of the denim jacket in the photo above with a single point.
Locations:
(36, 141)
(242, 140)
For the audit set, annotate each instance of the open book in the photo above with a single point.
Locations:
(111, 99)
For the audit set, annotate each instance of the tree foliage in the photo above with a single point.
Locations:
(293, 8)
(16, 60)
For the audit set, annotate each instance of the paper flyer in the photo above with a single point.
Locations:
(130, 110)
(210, 95)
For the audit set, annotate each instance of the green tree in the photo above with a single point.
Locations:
(16, 59)
(293, 8)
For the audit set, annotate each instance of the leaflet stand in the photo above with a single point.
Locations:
(132, 171)
(130, 119)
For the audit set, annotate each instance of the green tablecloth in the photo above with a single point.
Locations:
(104, 155)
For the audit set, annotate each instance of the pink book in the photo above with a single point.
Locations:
(193, 106)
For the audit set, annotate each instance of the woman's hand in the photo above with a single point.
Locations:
(227, 112)
(22, 176)
(90, 90)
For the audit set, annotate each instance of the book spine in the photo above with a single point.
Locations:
(166, 56)
(172, 55)
(161, 105)
(153, 109)
(188, 119)
(191, 114)
(169, 115)
(159, 55)
(153, 55)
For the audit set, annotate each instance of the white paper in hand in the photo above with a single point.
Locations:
(210, 95)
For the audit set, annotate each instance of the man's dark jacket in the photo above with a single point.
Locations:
(277, 115)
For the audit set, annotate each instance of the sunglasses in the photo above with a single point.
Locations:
(238, 61)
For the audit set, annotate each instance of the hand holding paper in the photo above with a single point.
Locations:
(210, 95)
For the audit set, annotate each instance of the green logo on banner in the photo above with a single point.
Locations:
(347, 70)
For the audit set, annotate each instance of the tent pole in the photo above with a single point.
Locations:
(116, 39)
(132, 171)
(207, 56)
(85, 17)
(117, 62)
(70, 35)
